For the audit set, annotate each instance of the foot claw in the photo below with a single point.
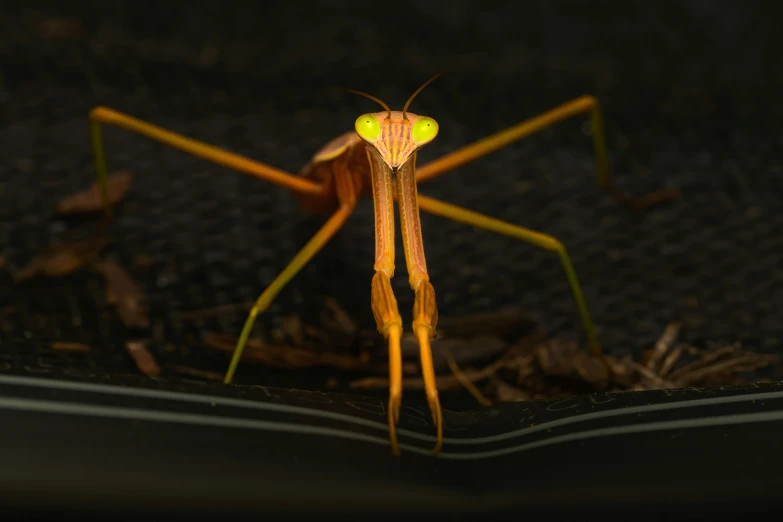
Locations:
(437, 418)
(394, 419)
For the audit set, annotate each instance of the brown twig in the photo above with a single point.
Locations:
(671, 359)
(662, 346)
(463, 379)
(746, 362)
(647, 373)
(706, 360)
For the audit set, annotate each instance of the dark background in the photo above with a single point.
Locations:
(691, 95)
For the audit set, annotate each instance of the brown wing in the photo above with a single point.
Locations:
(336, 147)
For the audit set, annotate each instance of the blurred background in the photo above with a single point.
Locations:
(691, 97)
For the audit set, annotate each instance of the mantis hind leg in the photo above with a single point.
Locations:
(581, 105)
(104, 116)
(456, 213)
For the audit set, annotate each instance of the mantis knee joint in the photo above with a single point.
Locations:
(425, 309)
(557, 246)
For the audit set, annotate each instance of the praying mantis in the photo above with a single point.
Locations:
(378, 159)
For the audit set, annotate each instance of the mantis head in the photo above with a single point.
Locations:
(396, 135)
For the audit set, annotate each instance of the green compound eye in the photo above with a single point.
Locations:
(368, 127)
(424, 130)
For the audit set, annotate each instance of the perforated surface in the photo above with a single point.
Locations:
(691, 87)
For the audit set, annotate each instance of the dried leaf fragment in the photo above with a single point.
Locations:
(91, 200)
(145, 361)
(565, 359)
(336, 317)
(62, 259)
(123, 293)
(60, 29)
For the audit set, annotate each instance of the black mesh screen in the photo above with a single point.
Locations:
(690, 93)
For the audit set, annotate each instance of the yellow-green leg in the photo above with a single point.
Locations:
(456, 213)
(304, 256)
(104, 116)
(581, 105)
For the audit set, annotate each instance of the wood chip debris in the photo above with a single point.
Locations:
(500, 357)
(556, 367)
(62, 346)
(292, 358)
(510, 359)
